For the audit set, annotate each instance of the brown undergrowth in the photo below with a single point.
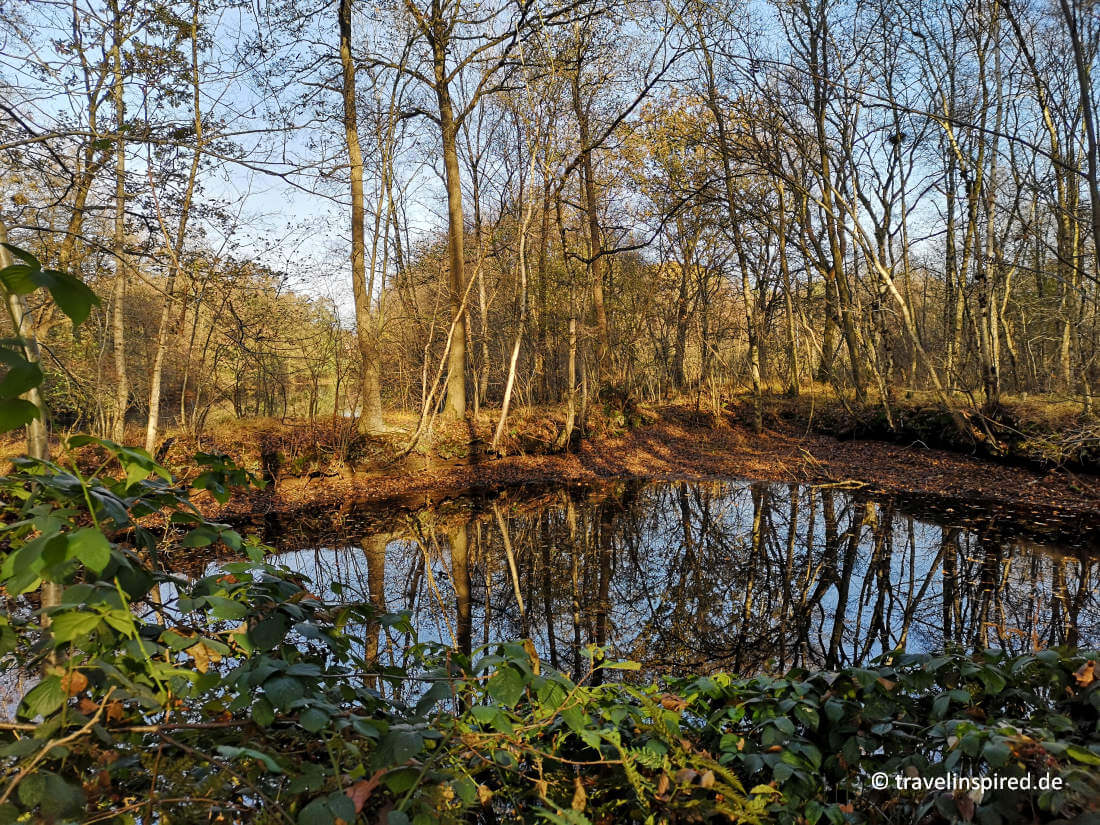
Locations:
(679, 442)
(327, 467)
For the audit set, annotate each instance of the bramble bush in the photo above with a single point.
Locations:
(244, 696)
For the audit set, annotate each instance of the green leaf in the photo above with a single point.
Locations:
(575, 718)
(399, 745)
(72, 296)
(22, 376)
(8, 639)
(15, 413)
(807, 716)
(341, 806)
(17, 279)
(268, 633)
(91, 547)
(436, 693)
(43, 699)
(236, 753)
(23, 255)
(283, 691)
(506, 686)
(314, 720)
(316, 813)
(263, 714)
(992, 681)
(223, 608)
(1082, 755)
(60, 798)
(201, 536)
(996, 753)
(621, 666)
(32, 789)
(73, 623)
(783, 724)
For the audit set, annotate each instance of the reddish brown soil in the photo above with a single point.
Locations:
(687, 445)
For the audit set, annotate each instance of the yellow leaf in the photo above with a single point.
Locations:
(580, 797)
(203, 656)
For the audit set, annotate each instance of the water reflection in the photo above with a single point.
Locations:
(696, 577)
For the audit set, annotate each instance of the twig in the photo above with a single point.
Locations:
(51, 744)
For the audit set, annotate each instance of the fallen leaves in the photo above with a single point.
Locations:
(580, 796)
(359, 792)
(74, 682)
(682, 444)
(674, 703)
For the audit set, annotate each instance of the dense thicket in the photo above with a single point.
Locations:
(242, 695)
(547, 202)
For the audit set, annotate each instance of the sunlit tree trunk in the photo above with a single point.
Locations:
(118, 294)
(371, 394)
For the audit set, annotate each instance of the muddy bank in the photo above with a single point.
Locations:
(683, 444)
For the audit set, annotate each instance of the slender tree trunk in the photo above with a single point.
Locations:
(374, 548)
(163, 330)
(521, 322)
(597, 261)
(118, 295)
(1082, 66)
(38, 442)
(371, 395)
(793, 379)
(455, 404)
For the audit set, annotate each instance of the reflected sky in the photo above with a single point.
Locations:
(690, 577)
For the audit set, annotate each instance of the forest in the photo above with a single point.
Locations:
(444, 210)
(549, 411)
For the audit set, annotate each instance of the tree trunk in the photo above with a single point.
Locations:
(118, 295)
(597, 263)
(163, 330)
(455, 404)
(371, 396)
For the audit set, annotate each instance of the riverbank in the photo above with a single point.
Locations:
(326, 466)
(678, 442)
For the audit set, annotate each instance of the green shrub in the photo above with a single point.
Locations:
(242, 696)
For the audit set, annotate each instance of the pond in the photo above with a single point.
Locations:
(693, 577)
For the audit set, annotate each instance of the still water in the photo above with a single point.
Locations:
(690, 577)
